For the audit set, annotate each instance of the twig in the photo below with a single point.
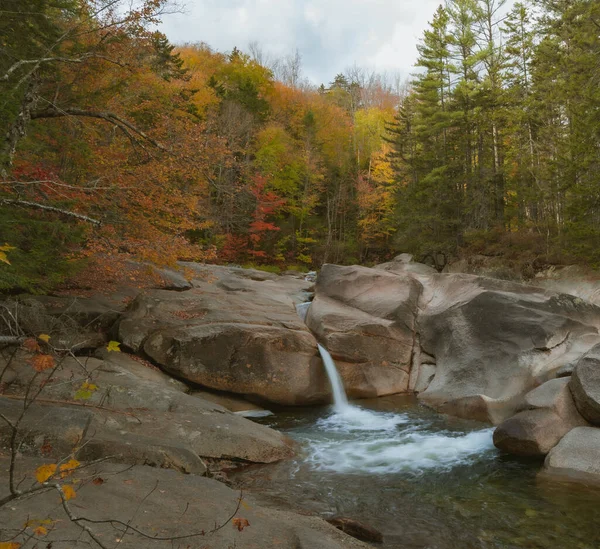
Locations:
(71, 403)
(74, 519)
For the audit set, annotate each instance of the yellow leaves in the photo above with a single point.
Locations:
(44, 337)
(113, 346)
(68, 491)
(41, 363)
(86, 391)
(9, 545)
(39, 527)
(3, 258)
(44, 472)
(67, 468)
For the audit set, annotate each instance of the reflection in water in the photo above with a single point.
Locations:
(424, 480)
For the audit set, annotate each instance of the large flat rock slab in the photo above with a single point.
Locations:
(237, 330)
(135, 413)
(165, 504)
(494, 341)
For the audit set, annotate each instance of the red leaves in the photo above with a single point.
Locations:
(41, 363)
(30, 344)
(240, 523)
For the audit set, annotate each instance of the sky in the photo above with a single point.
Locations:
(330, 35)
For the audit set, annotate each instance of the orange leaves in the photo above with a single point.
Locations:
(9, 545)
(240, 523)
(68, 468)
(31, 345)
(40, 531)
(44, 472)
(68, 491)
(41, 363)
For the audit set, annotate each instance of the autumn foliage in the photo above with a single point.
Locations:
(164, 154)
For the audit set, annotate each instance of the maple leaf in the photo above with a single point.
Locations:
(42, 362)
(113, 346)
(86, 391)
(240, 523)
(40, 531)
(44, 337)
(44, 472)
(68, 491)
(9, 545)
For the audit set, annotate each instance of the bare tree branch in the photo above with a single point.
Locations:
(50, 209)
(102, 115)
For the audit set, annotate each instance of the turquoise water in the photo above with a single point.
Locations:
(423, 480)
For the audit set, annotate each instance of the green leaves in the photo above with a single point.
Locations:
(85, 391)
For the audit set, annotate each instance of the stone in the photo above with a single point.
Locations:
(53, 430)
(356, 529)
(575, 457)
(554, 395)
(139, 415)
(585, 385)
(494, 341)
(230, 402)
(366, 320)
(236, 331)
(270, 363)
(531, 433)
(166, 503)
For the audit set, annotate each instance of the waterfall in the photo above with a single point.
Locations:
(340, 400)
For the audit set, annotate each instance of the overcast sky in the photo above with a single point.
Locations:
(331, 35)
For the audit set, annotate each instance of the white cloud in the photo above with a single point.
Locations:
(329, 34)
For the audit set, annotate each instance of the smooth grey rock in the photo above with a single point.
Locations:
(554, 395)
(51, 430)
(165, 503)
(575, 457)
(366, 320)
(237, 331)
(531, 433)
(141, 415)
(494, 341)
(585, 385)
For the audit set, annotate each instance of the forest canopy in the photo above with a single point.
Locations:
(115, 142)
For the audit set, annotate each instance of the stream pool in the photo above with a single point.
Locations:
(424, 480)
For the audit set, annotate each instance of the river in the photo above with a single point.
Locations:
(422, 479)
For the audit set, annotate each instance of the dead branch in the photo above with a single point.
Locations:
(50, 209)
(11, 340)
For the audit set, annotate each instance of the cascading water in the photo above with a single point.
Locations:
(354, 438)
(421, 478)
(340, 400)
